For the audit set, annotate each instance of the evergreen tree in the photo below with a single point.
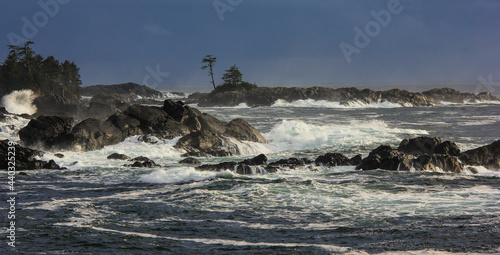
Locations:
(24, 69)
(233, 76)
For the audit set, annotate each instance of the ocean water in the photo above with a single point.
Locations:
(98, 206)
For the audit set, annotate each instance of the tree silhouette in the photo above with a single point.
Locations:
(233, 76)
(210, 62)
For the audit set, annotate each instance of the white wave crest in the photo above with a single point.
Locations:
(299, 135)
(329, 104)
(178, 175)
(20, 102)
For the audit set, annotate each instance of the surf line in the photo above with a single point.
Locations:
(328, 247)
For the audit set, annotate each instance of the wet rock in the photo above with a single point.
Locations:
(118, 156)
(420, 145)
(190, 160)
(203, 143)
(291, 162)
(448, 148)
(24, 158)
(59, 155)
(241, 130)
(333, 159)
(258, 160)
(384, 157)
(218, 167)
(487, 156)
(436, 162)
(93, 134)
(144, 162)
(356, 160)
(46, 131)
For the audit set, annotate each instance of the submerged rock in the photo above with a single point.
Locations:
(190, 160)
(118, 156)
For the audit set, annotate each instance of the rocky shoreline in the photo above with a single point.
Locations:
(267, 96)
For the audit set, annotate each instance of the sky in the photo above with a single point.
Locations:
(337, 43)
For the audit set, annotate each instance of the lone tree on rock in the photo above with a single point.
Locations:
(209, 62)
(233, 76)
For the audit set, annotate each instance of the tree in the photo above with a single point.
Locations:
(233, 76)
(24, 69)
(209, 61)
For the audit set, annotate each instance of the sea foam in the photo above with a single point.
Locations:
(299, 135)
(20, 102)
(329, 104)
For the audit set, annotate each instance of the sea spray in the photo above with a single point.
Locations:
(20, 102)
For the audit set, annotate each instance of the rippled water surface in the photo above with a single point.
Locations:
(99, 206)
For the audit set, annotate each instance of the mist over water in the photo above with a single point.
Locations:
(20, 102)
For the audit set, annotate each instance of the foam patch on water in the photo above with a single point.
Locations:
(11, 126)
(299, 135)
(162, 152)
(178, 175)
(330, 104)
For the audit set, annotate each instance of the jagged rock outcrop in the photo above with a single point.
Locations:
(265, 96)
(124, 88)
(241, 130)
(202, 133)
(387, 158)
(421, 153)
(24, 158)
(336, 159)
(487, 156)
(47, 132)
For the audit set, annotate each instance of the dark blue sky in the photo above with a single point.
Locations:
(273, 42)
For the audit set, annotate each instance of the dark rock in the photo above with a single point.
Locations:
(487, 156)
(420, 145)
(203, 143)
(119, 101)
(448, 148)
(265, 96)
(118, 156)
(142, 161)
(356, 160)
(258, 160)
(291, 162)
(46, 131)
(333, 159)
(93, 134)
(190, 160)
(56, 106)
(124, 88)
(129, 126)
(100, 110)
(241, 130)
(386, 158)
(218, 167)
(153, 117)
(436, 162)
(244, 169)
(22, 173)
(24, 157)
(59, 155)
